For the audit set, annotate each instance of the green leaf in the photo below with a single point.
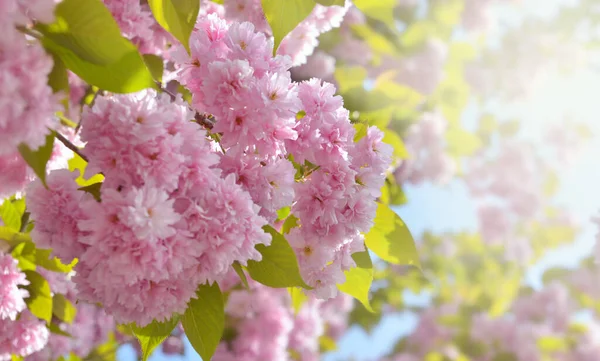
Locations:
(37, 159)
(42, 259)
(284, 16)
(177, 17)
(283, 213)
(361, 131)
(327, 344)
(359, 279)
(58, 78)
(381, 10)
(331, 2)
(93, 189)
(298, 298)
(78, 163)
(392, 138)
(39, 301)
(391, 240)
(279, 266)
(152, 335)
(63, 309)
(204, 320)
(10, 215)
(24, 253)
(462, 143)
(155, 65)
(53, 328)
(127, 75)
(240, 272)
(87, 29)
(12, 237)
(290, 222)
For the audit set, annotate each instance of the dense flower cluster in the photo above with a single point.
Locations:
(266, 328)
(21, 335)
(232, 76)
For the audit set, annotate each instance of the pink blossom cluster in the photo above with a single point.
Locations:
(89, 329)
(11, 296)
(265, 327)
(27, 104)
(137, 24)
(428, 161)
(302, 40)
(20, 332)
(233, 76)
(168, 219)
(22, 337)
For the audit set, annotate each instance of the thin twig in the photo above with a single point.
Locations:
(70, 145)
(206, 120)
(29, 32)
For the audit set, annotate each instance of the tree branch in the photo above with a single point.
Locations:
(70, 145)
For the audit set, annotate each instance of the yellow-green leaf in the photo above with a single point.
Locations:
(24, 253)
(462, 143)
(88, 30)
(63, 309)
(331, 2)
(240, 272)
(381, 10)
(128, 74)
(177, 17)
(392, 138)
(390, 238)
(359, 279)
(78, 163)
(204, 320)
(39, 301)
(279, 266)
(155, 65)
(10, 215)
(152, 335)
(42, 259)
(284, 16)
(298, 298)
(37, 159)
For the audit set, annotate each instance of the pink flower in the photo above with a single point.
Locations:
(22, 337)
(56, 212)
(26, 101)
(11, 296)
(14, 174)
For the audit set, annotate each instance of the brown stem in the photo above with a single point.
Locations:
(70, 145)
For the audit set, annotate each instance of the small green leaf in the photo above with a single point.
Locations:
(42, 259)
(39, 301)
(279, 266)
(240, 272)
(391, 240)
(284, 16)
(78, 163)
(152, 335)
(380, 10)
(298, 298)
(93, 189)
(331, 2)
(53, 328)
(63, 309)
(327, 344)
(10, 215)
(359, 279)
(283, 213)
(88, 30)
(155, 65)
(392, 138)
(290, 222)
(58, 78)
(12, 237)
(462, 143)
(361, 131)
(204, 320)
(37, 159)
(24, 253)
(177, 17)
